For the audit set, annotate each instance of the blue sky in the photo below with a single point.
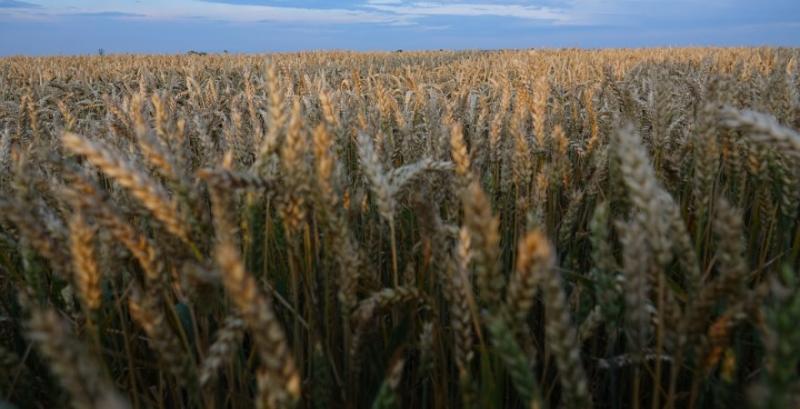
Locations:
(168, 26)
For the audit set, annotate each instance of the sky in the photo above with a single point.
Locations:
(46, 27)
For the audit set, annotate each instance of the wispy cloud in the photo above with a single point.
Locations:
(261, 13)
(109, 14)
(467, 10)
(311, 4)
(400, 11)
(13, 4)
(233, 11)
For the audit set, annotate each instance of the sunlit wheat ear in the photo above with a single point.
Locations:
(561, 156)
(70, 362)
(458, 150)
(325, 166)
(254, 116)
(153, 148)
(594, 126)
(295, 171)
(571, 218)
(522, 166)
(90, 200)
(84, 260)
(483, 228)
(118, 120)
(69, 120)
(378, 180)
(32, 112)
(278, 380)
(328, 111)
(348, 256)
(534, 258)
(541, 94)
(497, 124)
(345, 247)
(277, 119)
(140, 185)
(457, 291)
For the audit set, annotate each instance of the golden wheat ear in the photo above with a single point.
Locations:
(278, 379)
(146, 190)
(483, 227)
(84, 260)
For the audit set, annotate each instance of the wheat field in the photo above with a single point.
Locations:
(506, 229)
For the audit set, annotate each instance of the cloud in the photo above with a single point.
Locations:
(230, 11)
(108, 14)
(13, 4)
(466, 9)
(394, 12)
(309, 4)
(260, 13)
